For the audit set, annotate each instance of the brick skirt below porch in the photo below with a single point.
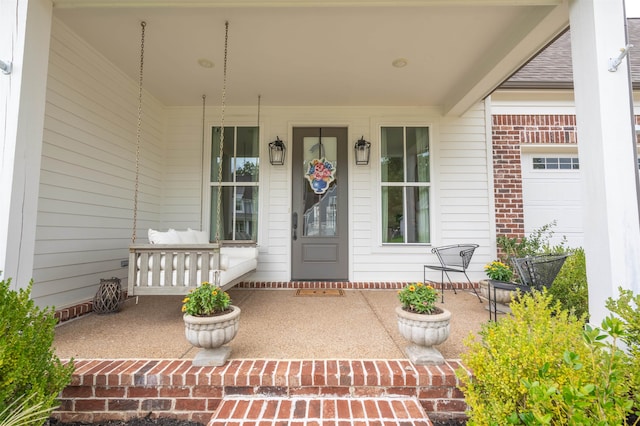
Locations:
(123, 389)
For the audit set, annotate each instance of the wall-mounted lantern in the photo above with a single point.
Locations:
(362, 151)
(277, 152)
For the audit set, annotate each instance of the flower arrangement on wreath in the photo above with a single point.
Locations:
(498, 271)
(419, 298)
(206, 300)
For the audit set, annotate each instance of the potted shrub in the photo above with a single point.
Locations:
(422, 323)
(498, 271)
(211, 321)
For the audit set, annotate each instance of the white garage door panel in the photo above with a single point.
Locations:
(543, 191)
(552, 195)
(572, 229)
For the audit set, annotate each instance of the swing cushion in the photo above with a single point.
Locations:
(234, 261)
(190, 236)
(168, 237)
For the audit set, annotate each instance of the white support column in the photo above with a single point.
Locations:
(25, 28)
(606, 143)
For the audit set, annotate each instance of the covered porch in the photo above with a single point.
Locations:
(310, 348)
(70, 146)
(274, 324)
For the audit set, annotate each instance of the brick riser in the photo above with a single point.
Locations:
(84, 308)
(320, 411)
(122, 389)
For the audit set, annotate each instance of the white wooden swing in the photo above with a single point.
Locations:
(174, 262)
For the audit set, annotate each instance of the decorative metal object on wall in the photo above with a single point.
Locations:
(320, 173)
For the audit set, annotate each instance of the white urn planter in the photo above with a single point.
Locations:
(211, 334)
(424, 331)
(502, 297)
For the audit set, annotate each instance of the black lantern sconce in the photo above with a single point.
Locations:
(277, 151)
(362, 151)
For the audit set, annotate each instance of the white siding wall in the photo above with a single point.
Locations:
(88, 171)
(461, 210)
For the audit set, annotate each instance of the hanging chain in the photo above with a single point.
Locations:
(202, 164)
(143, 24)
(224, 95)
(258, 123)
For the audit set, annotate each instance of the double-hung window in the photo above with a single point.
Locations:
(238, 185)
(405, 183)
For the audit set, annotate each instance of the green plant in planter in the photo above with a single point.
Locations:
(206, 300)
(30, 372)
(418, 298)
(498, 271)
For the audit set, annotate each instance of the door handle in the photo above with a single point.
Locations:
(294, 224)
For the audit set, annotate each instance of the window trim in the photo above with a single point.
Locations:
(574, 163)
(207, 184)
(404, 184)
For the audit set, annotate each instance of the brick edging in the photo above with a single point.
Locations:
(122, 389)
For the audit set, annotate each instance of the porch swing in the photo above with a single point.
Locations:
(174, 262)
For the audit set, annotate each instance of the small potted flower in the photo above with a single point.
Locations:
(497, 271)
(422, 323)
(211, 321)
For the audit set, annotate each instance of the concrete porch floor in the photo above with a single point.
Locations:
(274, 324)
(319, 360)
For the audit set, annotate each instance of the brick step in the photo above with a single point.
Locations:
(122, 389)
(319, 411)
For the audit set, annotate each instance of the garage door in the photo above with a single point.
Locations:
(551, 191)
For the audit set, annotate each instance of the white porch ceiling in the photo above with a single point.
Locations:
(320, 53)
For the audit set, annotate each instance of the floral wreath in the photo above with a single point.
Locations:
(320, 173)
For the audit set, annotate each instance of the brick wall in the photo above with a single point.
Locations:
(509, 133)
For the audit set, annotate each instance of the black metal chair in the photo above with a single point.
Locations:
(535, 272)
(452, 258)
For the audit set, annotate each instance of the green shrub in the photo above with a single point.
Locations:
(601, 398)
(542, 367)
(538, 242)
(20, 413)
(538, 333)
(570, 286)
(627, 307)
(29, 368)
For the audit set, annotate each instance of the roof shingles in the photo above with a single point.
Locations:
(552, 68)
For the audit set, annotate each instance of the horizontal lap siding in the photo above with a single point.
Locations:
(464, 210)
(461, 199)
(183, 171)
(85, 206)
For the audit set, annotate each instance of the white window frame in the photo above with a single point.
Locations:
(208, 184)
(404, 184)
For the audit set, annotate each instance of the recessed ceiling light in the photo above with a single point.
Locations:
(400, 63)
(205, 63)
